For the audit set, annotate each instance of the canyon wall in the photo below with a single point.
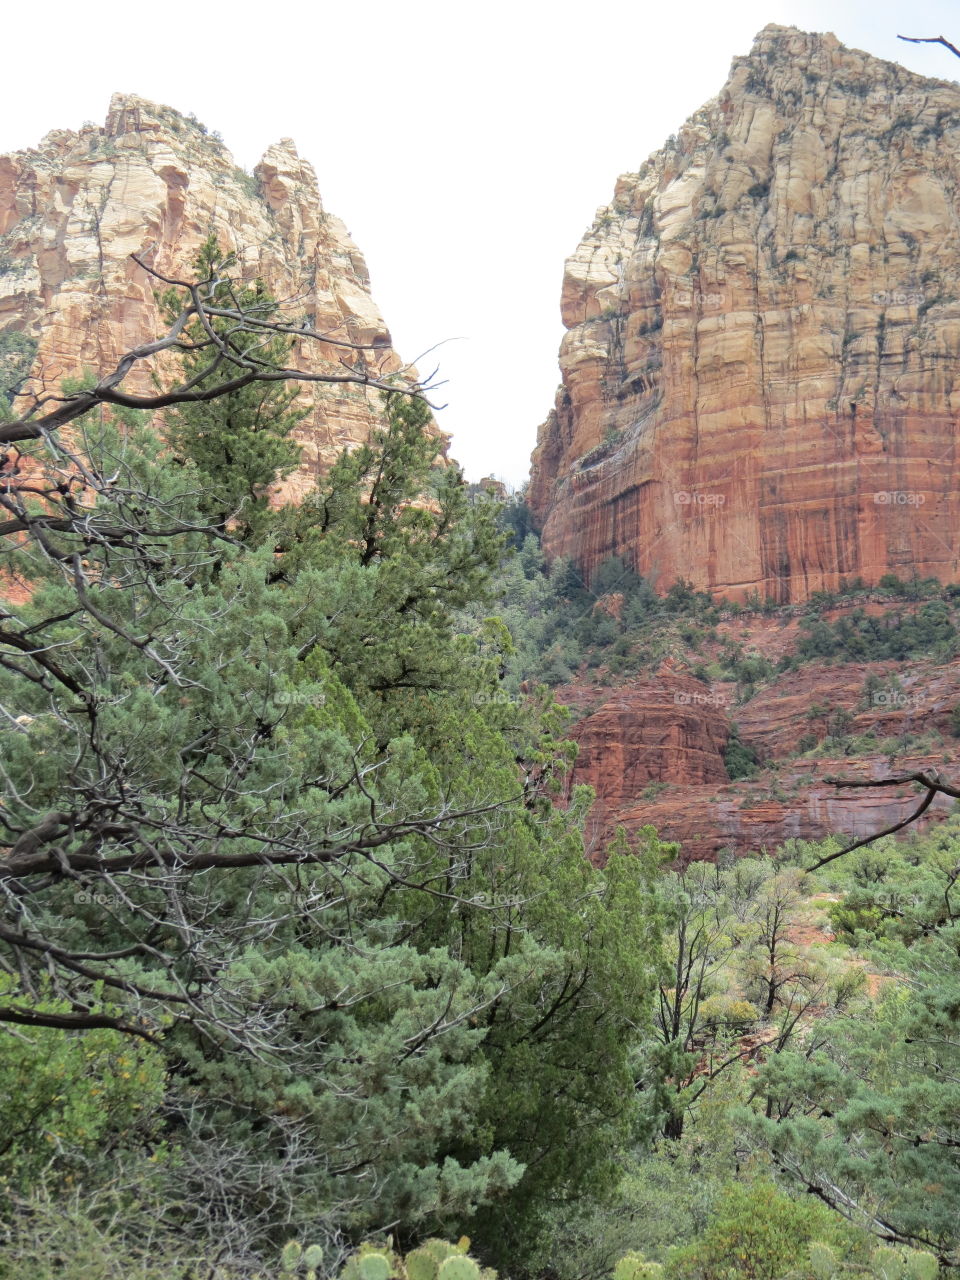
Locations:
(157, 183)
(653, 748)
(761, 371)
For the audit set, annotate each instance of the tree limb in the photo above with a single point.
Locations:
(928, 778)
(931, 40)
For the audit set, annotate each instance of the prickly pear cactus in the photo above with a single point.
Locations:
(440, 1250)
(297, 1261)
(374, 1266)
(887, 1264)
(421, 1264)
(458, 1268)
(922, 1266)
(373, 1262)
(432, 1260)
(291, 1255)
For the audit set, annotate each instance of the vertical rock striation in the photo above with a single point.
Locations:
(761, 374)
(156, 183)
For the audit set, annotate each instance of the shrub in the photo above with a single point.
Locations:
(17, 353)
(740, 759)
(755, 1231)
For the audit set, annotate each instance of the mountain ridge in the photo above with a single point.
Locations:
(155, 182)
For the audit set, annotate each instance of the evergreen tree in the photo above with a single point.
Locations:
(238, 444)
(869, 1119)
(268, 809)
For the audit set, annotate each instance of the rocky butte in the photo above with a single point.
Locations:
(760, 395)
(760, 371)
(157, 183)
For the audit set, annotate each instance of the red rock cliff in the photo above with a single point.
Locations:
(761, 374)
(156, 183)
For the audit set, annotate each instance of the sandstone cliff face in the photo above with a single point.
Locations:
(761, 374)
(669, 728)
(744, 820)
(665, 729)
(155, 183)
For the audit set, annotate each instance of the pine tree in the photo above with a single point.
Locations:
(269, 808)
(238, 444)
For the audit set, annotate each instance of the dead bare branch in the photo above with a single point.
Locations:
(931, 40)
(242, 366)
(930, 779)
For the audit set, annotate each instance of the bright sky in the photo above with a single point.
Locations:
(466, 146)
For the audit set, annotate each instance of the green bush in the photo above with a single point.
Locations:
(740, 759)
(859, 637)
(17, 353)
(755, 1231)
(69, 1099)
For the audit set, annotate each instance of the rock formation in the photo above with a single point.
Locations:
(669, 730)
(761, 374)
(665, 729)
(156, 183)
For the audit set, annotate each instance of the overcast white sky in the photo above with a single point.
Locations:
(466, 146)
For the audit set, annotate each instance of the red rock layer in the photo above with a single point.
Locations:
(672, 729)
(666, 729)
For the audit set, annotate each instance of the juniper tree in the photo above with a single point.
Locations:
(267, 809)
(238, 443)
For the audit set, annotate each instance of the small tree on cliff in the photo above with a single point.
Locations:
(239, 443)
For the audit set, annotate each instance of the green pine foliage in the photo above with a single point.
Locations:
(859, 636)
(238, 445)
(17, 353)
(871, 1113)
(396, 990)
(558, 620)
(314, 952)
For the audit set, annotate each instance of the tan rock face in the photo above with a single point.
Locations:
(155, 183)
(761, 374)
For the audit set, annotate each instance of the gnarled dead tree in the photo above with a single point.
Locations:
(213, 320)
